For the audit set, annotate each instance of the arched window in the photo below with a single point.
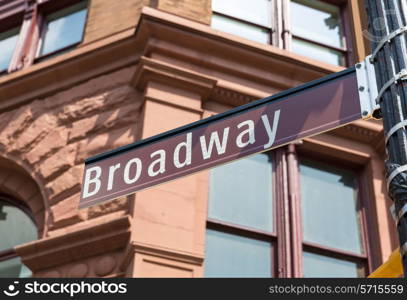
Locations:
(17, 226)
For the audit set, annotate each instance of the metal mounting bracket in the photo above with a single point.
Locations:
(367, 86)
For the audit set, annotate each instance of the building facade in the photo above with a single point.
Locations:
(78, 78)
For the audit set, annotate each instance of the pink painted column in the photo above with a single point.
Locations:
(168, 227)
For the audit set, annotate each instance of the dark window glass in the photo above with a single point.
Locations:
(14, 268)
(64, 28)
(229, 255)
(330, 206)
(8, 42)
(241, 193)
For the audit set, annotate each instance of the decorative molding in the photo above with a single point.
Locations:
(171, 254)
(153, 70)
(204, 53)
(90, 241)
(231, 97)
(362, 131)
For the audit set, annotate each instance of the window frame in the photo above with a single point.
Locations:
(29, 16)
(287, 236)
(254, 233)
(340, 160)
(46, 10)
(315, 248)
(14, 20)
(347, 32)
(280, 33)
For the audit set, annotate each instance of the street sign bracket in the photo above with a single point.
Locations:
(366, 77)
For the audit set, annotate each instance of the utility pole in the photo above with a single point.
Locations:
(387, 32)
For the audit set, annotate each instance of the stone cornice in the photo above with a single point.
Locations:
(181, 256)
(220, 67)
(93, 240)
(201, 47)
(368, 132)
(154, 70)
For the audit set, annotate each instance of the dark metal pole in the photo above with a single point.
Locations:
(388, 35)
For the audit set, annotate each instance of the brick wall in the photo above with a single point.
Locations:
(197, 10)
(107, 17)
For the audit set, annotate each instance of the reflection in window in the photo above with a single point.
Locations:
(242, 29)
(317, 52)
(8, 42)
(330, 207)
(331, 221)
(63, 28)
(324, 266)
(240, 234)
(14, 219)
(229, 255)
(241, 193)
(249, 19)
(317, 31)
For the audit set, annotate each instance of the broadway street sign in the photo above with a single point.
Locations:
(321, 105)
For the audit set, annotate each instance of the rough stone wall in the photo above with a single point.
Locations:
(54, 136)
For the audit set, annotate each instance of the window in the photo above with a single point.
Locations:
(39, 30)
(250, 19)
(8, 42)
(317, 31)
(313, 28)
(251, 229)
(240, 240)
(14, 218)
(63, 29)
(332, 231)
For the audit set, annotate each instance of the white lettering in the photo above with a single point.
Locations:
(126, 174)
(188, 152)
(160, 161)
(89, 180)
(112, 169)
(207, 151)
(249, 131)
(271, 132)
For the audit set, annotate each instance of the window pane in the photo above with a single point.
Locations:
(241, 193)
(317, 52)
(254, 11)
(229, 255)
(14, 268)
(329, 206)
(317, 21)
(323, 266)
(13, 219)
(8, 42)
(241, 29)
(64, 28)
